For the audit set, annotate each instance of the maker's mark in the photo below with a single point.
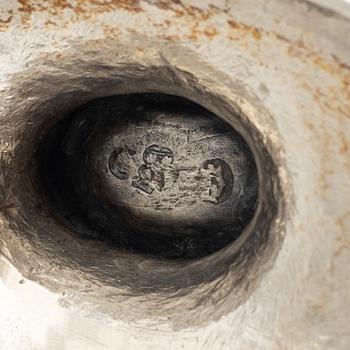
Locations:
(211, 182)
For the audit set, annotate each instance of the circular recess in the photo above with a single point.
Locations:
(149, 173)
(133, 201)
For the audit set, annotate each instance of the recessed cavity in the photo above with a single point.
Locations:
(149, 173)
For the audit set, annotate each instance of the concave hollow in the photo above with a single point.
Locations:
(149, 173)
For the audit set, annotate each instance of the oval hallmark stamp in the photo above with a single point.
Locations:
(212, 181)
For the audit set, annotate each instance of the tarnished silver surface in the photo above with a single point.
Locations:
(153, 173)
(281, 67)
(180, 171)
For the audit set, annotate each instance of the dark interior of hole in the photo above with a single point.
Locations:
(149, 173)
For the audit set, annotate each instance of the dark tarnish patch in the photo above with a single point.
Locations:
(7, 206)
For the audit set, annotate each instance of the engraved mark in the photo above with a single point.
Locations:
(218, 175)
(211, 182)
(158, 162)
(114, 167)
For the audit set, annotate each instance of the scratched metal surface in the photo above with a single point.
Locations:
(286, 65)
